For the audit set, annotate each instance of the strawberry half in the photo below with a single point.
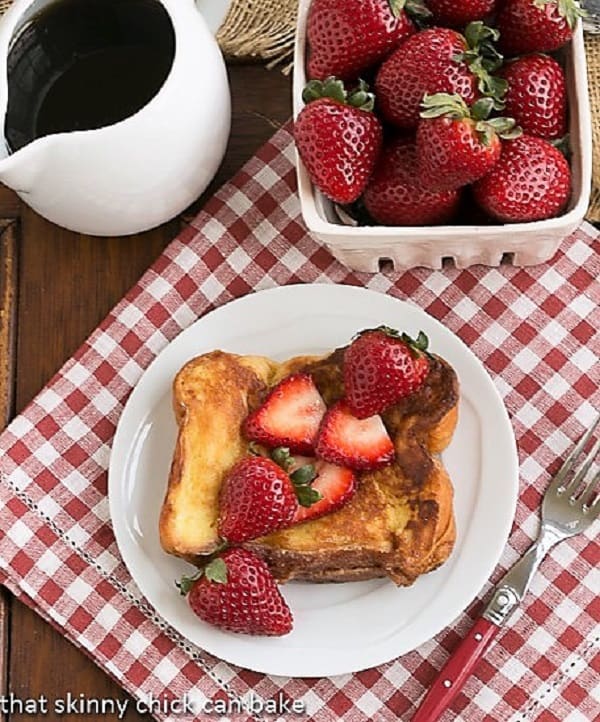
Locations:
(381, 367)
(257, 497)
(290, 416)
(361, 444)
(334, 484)
(237, 592)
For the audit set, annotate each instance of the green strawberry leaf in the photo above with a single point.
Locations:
(360, 97)
(417, 10)
(481, 109)
(333, 88)
(307, 496)
(506, 128)
(254, 449)
(185, 584)
(328, 88)
(563, 145)
(396, 6)
(570, 10)
(303, 476)
(282, 457)
(216, 571)
(417, 346)
(477, 32)
(444, 104)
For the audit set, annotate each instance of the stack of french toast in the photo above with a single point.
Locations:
(321, 469)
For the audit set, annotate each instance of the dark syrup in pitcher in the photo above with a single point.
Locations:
(85, 64)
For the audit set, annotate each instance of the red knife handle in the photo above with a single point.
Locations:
(456, 671)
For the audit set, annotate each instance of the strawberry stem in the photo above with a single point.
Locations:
(302, 479)
(453, 106)
(282, 457)
(483, 59)
(359, 97)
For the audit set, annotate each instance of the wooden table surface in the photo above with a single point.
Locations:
(55, 287)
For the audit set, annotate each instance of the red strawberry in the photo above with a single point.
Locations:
(290, 416)
(536, 96)
(437, 60)
(346, 37)
(257, 497)
(458, 13)
(457, 145)
(360, 444)
(394, 196)
(529, 26)
(338, 138)
(237, 592)
(381, 367)
(531, 181)
(334, 484)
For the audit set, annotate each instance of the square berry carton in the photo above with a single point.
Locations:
(371, 248)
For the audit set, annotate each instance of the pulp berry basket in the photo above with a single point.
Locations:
(371, 248)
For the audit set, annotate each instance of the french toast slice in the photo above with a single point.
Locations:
(400, 522)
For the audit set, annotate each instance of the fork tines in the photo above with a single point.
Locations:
(562, 484)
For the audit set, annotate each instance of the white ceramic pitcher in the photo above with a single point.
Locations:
(141, 171)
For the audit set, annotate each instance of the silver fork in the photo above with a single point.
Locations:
(567, 510)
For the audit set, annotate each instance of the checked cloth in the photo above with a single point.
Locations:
(536, 331)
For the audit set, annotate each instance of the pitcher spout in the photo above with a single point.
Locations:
(20, 170)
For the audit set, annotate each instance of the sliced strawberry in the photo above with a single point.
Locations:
(335, 484)
(361, 444)
(290, 416)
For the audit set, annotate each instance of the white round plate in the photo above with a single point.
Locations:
(339, 628)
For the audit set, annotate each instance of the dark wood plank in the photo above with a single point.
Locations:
(10, 204)
(67, 284)
(8, 296)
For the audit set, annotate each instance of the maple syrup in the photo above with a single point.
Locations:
(85, 64)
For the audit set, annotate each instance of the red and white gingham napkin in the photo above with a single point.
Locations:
(536, 330)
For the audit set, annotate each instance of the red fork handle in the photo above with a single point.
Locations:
(456, 671)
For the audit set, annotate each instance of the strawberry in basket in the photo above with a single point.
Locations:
(529, 26)
(457, 145)
(537, 96)
(530, 182)
(438, 60)
(347, 37)
(338, 138)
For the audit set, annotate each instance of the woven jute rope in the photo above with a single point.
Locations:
(260, 29)
(592, 45)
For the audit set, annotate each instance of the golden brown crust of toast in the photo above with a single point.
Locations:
(400, 523)
(211, 397)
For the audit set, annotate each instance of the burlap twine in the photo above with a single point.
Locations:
(264, 29)
(592, 44)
